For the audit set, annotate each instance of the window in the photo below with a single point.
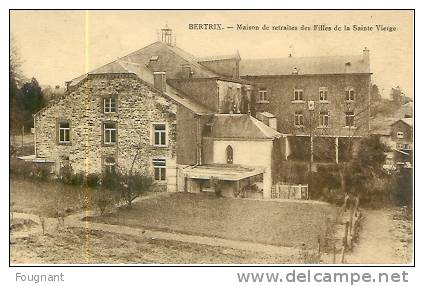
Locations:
(298, 119)
(109, 165)
(350, 119)
(262, 95)
(159, 166)
(323, 94)
(159, 134)
(399, 135)
(298, 94)
(323, 118)
(109, 105)
(349, 94)
(229, 152)
(109, 133)
(64, 132)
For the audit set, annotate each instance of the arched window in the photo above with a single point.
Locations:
(229, 154)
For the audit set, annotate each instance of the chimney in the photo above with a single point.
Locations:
(366, 55)
(67, 84)
(160, 80)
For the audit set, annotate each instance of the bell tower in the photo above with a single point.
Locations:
(167, 35)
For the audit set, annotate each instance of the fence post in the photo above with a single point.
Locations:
(342, 255)
(319, 245)
(346, 235)
(334, 252)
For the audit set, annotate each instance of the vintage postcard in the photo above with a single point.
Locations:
(211, 137)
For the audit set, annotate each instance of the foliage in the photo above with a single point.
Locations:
(129, 186)
(29, 170)
(134, 185)
(367, 178)
(104, 199)
(68, 177)
(401, 189)
(42, 171)
(92, 180)
(363, 175)
(375, 93)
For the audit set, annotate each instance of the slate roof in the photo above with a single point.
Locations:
(170, 60)
(235, 56)
(304, 65)
(236, 126)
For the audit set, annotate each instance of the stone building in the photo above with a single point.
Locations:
(191, 122)
(154, 110)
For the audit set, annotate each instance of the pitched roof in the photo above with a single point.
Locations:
(381, 125)
(170, 60)
(241, 126)
(146, 75)
(143, 73)
(304, 65)
(235, 56)
(408, 121)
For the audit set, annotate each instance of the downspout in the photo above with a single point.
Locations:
(199, 142)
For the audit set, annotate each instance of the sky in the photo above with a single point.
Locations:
(56, 46)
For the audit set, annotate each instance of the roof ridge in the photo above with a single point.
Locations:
(305, 57)
(264, 128)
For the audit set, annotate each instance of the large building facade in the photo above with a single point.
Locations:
(190, 121)
(323, 100)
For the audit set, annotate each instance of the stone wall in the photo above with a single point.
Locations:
(138, 106)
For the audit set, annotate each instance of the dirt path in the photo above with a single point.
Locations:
(377, 244)
(75, 220)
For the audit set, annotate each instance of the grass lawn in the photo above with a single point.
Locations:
(45, 198)
(277, 223)
(77, 245)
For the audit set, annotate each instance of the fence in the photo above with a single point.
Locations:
(287, 191)
(334, 245)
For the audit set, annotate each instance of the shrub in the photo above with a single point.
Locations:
(65, 174)
(111, 181)
(104, 199)
(92, 180)
(68, 177)
(42, 171)
(20, 168)
(77, 179)
(135, 185)
(401, 189)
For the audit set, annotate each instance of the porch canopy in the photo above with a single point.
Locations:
(221, 172)
(34, 159)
